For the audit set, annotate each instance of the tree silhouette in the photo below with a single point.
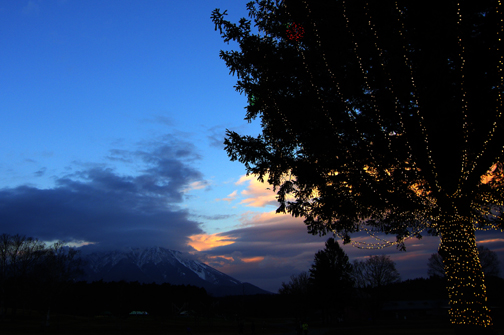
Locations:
(30, 270)
(376, 271)
(381, 116)
(297, 294)
(435, 267)
(58, 267)
(331, 279)
(331, 269)
(298, 285)
(18, 257)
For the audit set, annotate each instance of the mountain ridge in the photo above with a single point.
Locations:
(160, 265)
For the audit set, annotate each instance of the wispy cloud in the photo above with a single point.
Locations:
(232, 196)
(196, 185)
(492, 240)
(40, 172)
(257, 194)
(216, 136)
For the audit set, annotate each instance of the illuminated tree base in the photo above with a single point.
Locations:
(465, 278)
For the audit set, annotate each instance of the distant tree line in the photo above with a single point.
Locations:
(34, 273)
(40, 277)
(333, 284)
(118, 299)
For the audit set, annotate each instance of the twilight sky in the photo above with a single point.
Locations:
(112, 118)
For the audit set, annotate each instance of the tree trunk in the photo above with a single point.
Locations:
(465, 279)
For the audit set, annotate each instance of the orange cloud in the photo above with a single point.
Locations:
(493, 240)
(222, 256)
(253, 259)
(202, 242)
(230, 197)
(257, 194)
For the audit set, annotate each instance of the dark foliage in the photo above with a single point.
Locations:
(375, 271)
(331, 280)
(328, 287)
(29, 268)
(120, 298)
(331, 271)
(298, 286)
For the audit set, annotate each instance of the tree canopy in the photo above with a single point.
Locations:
(375, 271)
(379, 116)
(298, 285)
(29, 264)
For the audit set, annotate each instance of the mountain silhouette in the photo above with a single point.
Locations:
(160, 265)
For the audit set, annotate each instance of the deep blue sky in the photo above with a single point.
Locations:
(112, 117)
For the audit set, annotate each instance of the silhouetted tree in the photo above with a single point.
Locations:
(375, 271)
(435, 267)
(18, 256)
(297, 295)
(488, 258)
(59, 266)
(331, 268)
(330, 277)
(379, 116)
(298, 285)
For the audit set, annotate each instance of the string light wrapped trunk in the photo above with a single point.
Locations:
(464, 275)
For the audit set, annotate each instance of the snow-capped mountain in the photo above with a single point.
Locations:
(160, 265)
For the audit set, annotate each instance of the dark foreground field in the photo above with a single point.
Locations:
(30, 323)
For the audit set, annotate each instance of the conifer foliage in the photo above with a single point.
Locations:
(331, 270)
(379, 116)
(331, 280)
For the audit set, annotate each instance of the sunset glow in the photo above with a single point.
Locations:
(204, 242)
(257, 194)
(253, 259)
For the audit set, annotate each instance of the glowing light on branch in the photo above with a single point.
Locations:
(295, 32)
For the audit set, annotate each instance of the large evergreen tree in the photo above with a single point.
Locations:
(331, 270)
(331, 280)
(379, 116)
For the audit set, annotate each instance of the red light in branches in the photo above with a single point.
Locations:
(295, 32)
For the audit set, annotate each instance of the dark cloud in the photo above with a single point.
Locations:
(216, 217)
(161, 119)
(270, 234)
(40, 172)
(98, 204)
